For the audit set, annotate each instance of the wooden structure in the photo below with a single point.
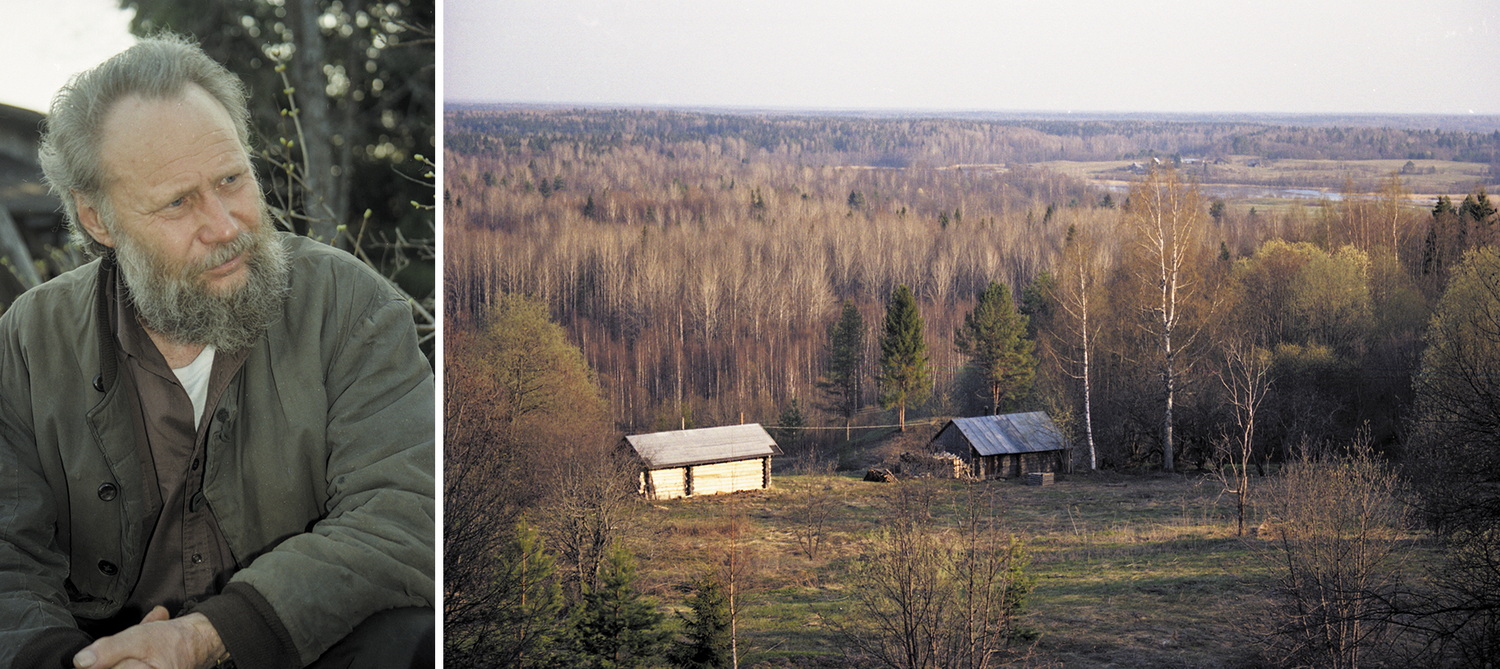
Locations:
(30, 218)
(705, 461)
(1039, 478)
(1006, 446)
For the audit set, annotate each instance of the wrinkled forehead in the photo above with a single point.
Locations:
(143, 135)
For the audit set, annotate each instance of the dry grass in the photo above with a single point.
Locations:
(1131, 571)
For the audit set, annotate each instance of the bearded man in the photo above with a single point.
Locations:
(216, 440)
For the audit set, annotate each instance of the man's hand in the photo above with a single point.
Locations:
(158, 642)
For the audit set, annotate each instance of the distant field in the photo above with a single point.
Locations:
(1131, 571)
(1243, 176)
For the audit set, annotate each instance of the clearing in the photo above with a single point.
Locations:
(1130, 570)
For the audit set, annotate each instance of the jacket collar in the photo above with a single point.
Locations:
(104, 317)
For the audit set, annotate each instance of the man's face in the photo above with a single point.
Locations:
(187, 222)
(181, 188)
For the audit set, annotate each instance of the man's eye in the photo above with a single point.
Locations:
(176, 203)
(229, 180)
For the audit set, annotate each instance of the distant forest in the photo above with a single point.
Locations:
(940, 141)
(699, 261)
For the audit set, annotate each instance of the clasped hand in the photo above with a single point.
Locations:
(158, 642)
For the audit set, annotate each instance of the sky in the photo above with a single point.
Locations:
(1276, 56)
(1193, 56)
(43, 42)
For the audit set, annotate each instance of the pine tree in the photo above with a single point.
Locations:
(993, 336)
(613, 626)
(706, 643)
(904, 377)
(841, 375)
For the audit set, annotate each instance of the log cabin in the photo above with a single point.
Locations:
(704, 461)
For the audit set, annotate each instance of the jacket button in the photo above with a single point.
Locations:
(196, 503)
(222, 414)
(108, 491)
(99, 383)
(108, 568)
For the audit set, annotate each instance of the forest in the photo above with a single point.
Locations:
(703, 268)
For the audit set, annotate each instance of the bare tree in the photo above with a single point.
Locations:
(593, 501)
(928, 597)
(1085, 263)
(1246, 377)
(1167, 218)
(810, 511)
(902, 593)
(1337, 552)
(1395, 204)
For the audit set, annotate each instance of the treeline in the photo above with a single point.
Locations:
(939, 141)
(703, 286)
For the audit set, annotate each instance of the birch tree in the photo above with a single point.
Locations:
(1166, 219)
(1085, 264)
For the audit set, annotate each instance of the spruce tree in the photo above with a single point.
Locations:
(788, 432)
(1477, 207)
(706, 642)
(841, 375)
(993, 336)
(904, 377)
(613, 626)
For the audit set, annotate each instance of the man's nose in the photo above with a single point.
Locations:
(218, 225)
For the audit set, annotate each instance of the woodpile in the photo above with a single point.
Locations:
(1039, 478)
(880, 476)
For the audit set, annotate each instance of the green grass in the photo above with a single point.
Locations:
(1138, 571)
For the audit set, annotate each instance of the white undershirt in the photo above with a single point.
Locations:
(194, 380)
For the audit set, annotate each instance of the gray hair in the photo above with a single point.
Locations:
(157, 68)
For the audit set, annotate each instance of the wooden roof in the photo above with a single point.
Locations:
(703, 446)
(1006, 434)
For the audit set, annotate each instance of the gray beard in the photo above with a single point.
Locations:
(175, 303)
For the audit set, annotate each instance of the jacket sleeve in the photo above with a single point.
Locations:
(36, 628)
(375, 548)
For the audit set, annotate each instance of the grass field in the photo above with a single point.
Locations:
(1130, 570)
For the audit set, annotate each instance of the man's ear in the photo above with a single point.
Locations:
(92, 222)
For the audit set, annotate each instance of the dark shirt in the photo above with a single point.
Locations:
(187, 558)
